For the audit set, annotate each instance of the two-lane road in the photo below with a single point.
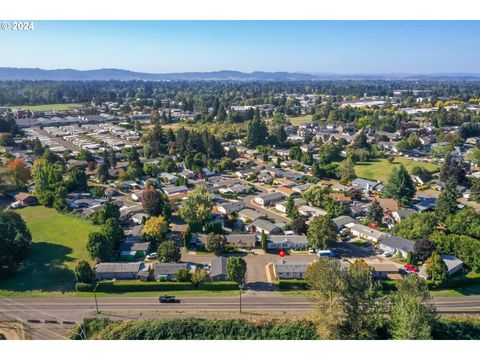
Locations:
(75, 308)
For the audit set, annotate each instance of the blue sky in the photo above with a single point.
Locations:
(304, 46)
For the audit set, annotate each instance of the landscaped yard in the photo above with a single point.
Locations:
(58, 243)
(46, 107)
(380, 169)
(299, 120)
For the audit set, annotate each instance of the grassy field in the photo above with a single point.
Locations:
(299, 120)
(47, 107)
(380, 169)
(58, 243)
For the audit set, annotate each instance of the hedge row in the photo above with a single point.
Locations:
(292, 285)
(137, 286)
(236, 329)
(196, 329)
(459, 281)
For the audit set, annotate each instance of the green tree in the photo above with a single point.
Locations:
(475, 189)
(411, 316)
(264, 241)
(400, 186)
(327, 285)
(168, 251)
(113, 231)
(199, 276)
(99, 246)
(416, 226)
(322, 231)
(436, 268)
(83, 272)
(215, 243)
(109, 211)
(346, 170)
(187, 238)
(59, 202)
(183, 275)
(196, 210)
(15, 240)
(236, 269)
(375, 212)
(291, 209)
(447, 201)
(155, 203)
(257, 133)
(77, 179)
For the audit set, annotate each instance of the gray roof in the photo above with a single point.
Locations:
(264, 225)
(364, 183)
(118, 267)
(218, 266)
(168, 268)
(134, 246)
(294, 239)
(175, 190)
(343, 220)
(272, 196)
(241, 238)
(451, 261)
(396, 242)
(250, 213)
(291, 267)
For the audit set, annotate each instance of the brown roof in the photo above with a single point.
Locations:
(23, 196)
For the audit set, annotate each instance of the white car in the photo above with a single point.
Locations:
(152, 256)
(17, 205)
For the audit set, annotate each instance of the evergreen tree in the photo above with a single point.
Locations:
(263, 241)
(375, 212)
(452, 170)
(447, 201)
(257, 133)
(400, 186)
(291, 209)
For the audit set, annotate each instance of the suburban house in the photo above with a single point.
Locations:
(394, 244)
(343, 221)
(261, 225)
(168, 178)
(284, 270)
(119, 270)
(366, 233)
(311, 211)
(281, 206)
(285, 191)
(367, 186)
(140, 218)
(452, 263)
(243, 241)
(296, 242)
(175, 190)
(130, 251)
(228, 208)
(26, 199)
(385, 271)
(269, 199)
(166, 271)
(248, 215)
(218, 268)
(399, 215)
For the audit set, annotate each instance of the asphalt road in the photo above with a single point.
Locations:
(72, 308)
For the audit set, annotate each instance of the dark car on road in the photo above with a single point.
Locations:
(167, 299)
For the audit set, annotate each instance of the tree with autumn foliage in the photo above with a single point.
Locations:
(18, 171)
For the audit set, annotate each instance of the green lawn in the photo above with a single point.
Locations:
(299, 120)
(58, 243)
(47, 107)
(380, 169)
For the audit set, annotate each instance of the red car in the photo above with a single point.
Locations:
(410, 268)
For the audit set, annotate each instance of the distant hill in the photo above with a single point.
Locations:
(8, 74)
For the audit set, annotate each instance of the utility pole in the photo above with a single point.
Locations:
(95, 296)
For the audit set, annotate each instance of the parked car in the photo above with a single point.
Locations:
(17, 205)
(387, 255)
(152, 256)
(379, 251)
(167, 299)
(410, 268)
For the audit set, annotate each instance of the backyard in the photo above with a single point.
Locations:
(58, 243)
(380, 169)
